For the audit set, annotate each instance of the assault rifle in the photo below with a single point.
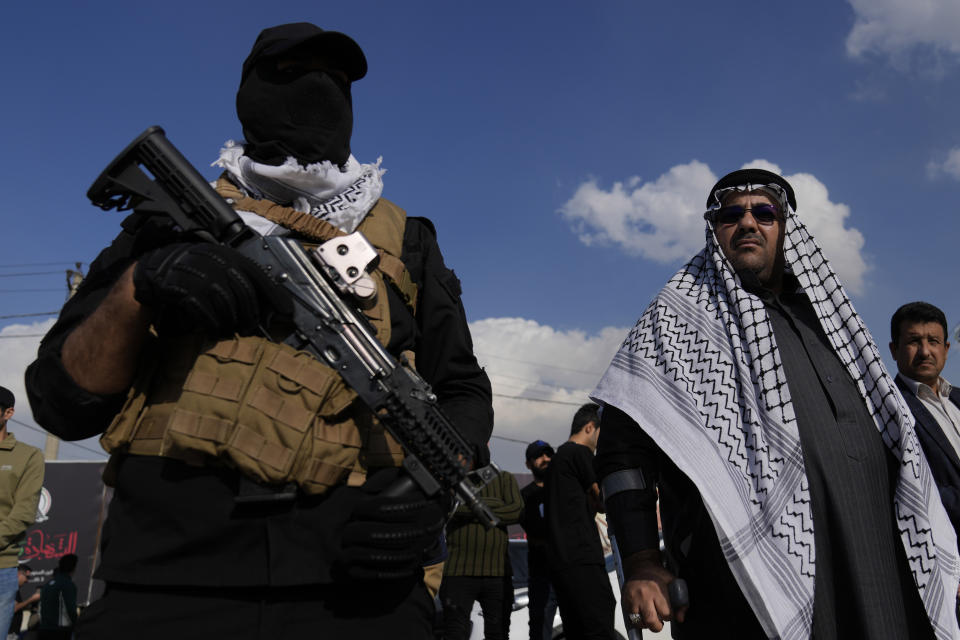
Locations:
(326, 325)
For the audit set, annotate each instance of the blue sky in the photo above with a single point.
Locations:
(563, 149)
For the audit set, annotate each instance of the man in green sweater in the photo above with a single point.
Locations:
(21, 478)
(477, 568)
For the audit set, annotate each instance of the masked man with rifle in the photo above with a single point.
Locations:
(251, 485)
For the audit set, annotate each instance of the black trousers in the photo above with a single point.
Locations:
(542, 608)
(586, 602)
(374, 611)
(495, 595)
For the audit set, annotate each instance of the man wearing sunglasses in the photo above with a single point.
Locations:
(752, 400)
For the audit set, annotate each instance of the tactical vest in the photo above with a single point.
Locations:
(276, 414)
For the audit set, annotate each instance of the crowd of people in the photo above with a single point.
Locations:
(566, 564)
(803, 491)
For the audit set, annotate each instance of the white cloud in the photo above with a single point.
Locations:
(650, 219)
(16, 353)
(950, 166)
(554, 370)
(896, 27)
(662, 220)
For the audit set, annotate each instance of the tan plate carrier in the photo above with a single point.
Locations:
(276, 414)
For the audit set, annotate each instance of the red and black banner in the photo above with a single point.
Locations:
(69, 516)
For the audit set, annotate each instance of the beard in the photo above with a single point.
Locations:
(538, 473)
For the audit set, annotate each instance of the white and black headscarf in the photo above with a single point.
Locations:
(701, 373)
(341, 196)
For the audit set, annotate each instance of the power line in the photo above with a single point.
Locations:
(31, 273)
(29, 290)
(494, 374)
(510, 439)
(519, 389)
(79, 446)
(541, 364)
(508, 381)
(571, 404)
(34, 264)
(23, 335)
(30, 315)
(500, 386)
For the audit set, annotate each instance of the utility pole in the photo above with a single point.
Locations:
(74, 278)
(52, 448)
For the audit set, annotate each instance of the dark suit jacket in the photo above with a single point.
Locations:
(940, 454)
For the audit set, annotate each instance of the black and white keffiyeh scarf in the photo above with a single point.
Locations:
(701, 373)
(341, 197)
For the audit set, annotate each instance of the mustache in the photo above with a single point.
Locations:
(753, 237)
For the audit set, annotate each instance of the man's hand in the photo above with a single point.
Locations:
(645, 590)
(386, 537)
(208, 288)
(19, 606)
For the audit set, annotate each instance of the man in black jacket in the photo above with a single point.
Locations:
(574, 549)
(58, 601)
(543, 600)
(918, 342)
(249, 481)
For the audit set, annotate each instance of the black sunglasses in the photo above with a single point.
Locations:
(765, 214)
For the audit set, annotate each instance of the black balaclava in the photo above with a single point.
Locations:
(304, 114)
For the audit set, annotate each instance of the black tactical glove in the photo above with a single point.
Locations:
(208, 288)
(385, 536)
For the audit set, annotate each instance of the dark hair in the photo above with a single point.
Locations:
(585, 414)
(6, 399)
(916, 312)
(67, 563)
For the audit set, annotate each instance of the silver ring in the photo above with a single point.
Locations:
(636, 619)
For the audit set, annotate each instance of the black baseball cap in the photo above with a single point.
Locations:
(756, 177)
(6, 398)
(537, 448)
(339, 47)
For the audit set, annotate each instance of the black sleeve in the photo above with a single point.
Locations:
(583, 468)
(632, 515)
(59, 405)
(444, 349)
(526, 515)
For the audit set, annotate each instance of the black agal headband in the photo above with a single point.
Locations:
(749, 180)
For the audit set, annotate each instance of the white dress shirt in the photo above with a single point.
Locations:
(940, 407)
